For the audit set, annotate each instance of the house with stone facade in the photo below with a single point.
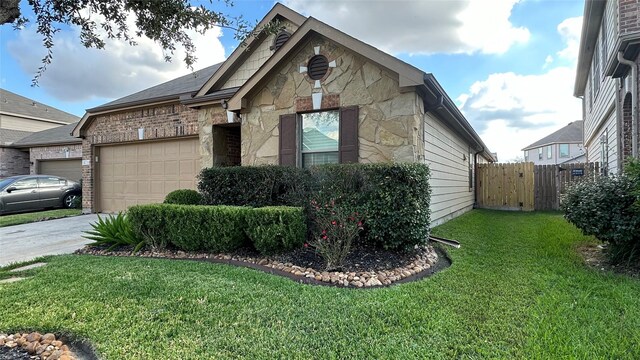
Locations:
(607, 81)
(563, 146)
(35, 138)
(309, 94)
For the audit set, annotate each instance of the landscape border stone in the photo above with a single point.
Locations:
(433, 259)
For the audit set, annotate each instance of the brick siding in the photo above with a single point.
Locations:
(13, 162)
(159, 122)
(73, 151)
(628, 16)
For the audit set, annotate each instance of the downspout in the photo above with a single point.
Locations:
(619, 115)
(475, 178)
(634, 103)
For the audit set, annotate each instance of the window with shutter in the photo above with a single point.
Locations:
(325, 137)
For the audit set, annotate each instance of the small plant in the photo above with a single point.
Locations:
(77, 203)
(114, 231)
(183, 197)
(334, 230)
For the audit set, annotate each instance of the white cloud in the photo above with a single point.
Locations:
(423, 27)
(80, 74)
(510, 111)
(570, 30)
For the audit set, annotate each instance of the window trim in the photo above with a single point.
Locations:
(560, 150)
(549, 152)
(300, 131)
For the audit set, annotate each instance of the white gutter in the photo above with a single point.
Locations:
(634, 102)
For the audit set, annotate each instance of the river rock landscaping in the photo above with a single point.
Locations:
(364, 268)
(34, 346)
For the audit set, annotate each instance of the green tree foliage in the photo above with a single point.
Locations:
(164, 21)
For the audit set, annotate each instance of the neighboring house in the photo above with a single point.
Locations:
(21, 117)
(561, 147)
(53, 152)
(607, 81)
(307, 95)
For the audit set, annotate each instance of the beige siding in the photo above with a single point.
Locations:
(258, 57)
(23, 124)
(444, 153)
(598, 107)
(594, 147)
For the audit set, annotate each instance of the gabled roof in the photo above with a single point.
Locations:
(240, 53)
(171, 90)
(56, 136)
(8, 136)
(18, 105)
(408, 74)
(187, 84)
(570, 134)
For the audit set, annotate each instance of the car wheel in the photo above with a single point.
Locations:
(69, 200)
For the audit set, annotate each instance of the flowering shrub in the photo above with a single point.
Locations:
(334, 229)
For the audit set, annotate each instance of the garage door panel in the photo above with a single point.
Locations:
(145, 172)
(68, 169)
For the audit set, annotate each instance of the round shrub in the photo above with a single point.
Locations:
(605, 208)
(183, 197)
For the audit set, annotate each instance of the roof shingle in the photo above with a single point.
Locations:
(17, 104)
(571, 133)
(57, 135)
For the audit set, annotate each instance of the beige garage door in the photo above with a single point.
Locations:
(69, 169)
(145, 173)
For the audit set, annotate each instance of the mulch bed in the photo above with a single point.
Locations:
(365, 267)
(595, 256)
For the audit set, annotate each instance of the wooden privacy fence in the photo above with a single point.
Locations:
(527, 187)
(505, 186)
(551, 181)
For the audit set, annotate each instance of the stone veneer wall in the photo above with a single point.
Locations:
(390, 121)
(159, 122)
(219, 145)
(53, 152)
(13, 162)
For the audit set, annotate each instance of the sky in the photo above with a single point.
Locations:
(509, 65)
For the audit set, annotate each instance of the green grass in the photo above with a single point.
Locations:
(16, 219)
(516, 289)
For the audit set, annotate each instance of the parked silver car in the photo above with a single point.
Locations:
(35, 192)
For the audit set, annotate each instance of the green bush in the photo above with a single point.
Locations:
(276, 229)
(184, 197)
(604, 207)
(254, 186)
(77, 203)
(393, 198)
(114, 231)
(192, 228)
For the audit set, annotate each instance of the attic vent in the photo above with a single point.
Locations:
(317, 67)
(280, 39)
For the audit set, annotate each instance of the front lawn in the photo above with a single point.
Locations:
(516, 289)
(16, 219)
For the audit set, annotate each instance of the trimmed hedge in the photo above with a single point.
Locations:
(191, 228)
(276, 229)
(254, 186)
(218, 228)
(393, 198)
(184, 197)
(605, 208)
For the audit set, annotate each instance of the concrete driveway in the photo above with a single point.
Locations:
(28, 241)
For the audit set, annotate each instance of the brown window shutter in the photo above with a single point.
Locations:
(288, 140)
(349, 134)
